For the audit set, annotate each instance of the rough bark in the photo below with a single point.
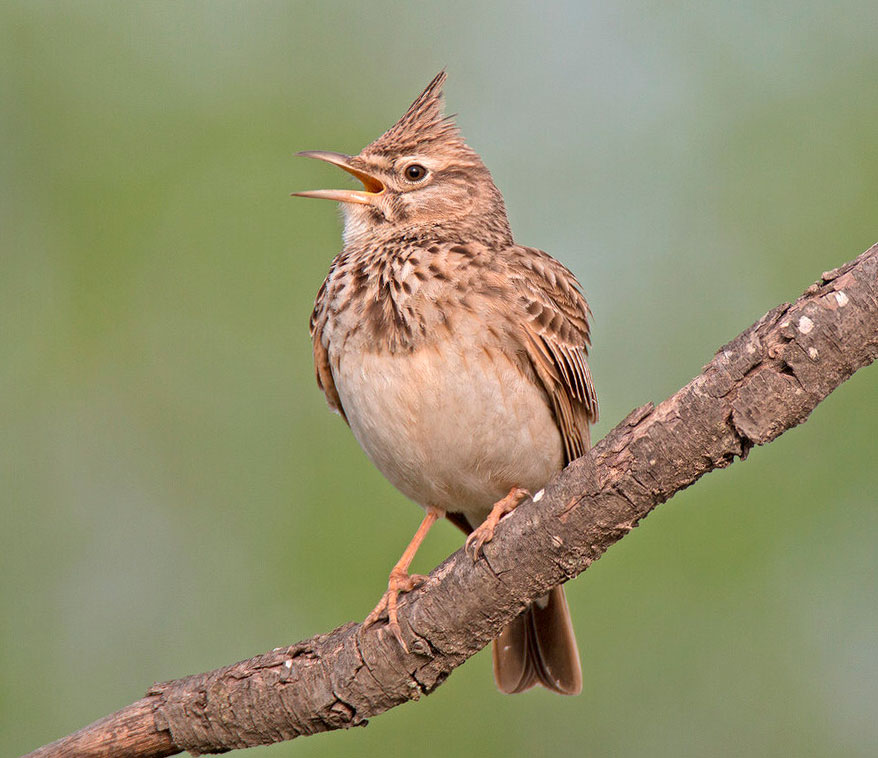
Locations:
(767, 380)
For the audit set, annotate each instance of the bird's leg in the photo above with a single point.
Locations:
(484, 532)
(401, 581)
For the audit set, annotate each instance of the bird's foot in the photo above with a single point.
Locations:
(399, 581)
(484, 532)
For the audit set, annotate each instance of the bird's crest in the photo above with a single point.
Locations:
(422, 124)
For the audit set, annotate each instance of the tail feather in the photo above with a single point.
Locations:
(539, 647)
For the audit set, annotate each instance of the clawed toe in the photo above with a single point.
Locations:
(410, 582)
(386, 607)
(484, 532)
(377, 612)
(401, 581)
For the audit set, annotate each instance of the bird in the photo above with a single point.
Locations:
(457, 357)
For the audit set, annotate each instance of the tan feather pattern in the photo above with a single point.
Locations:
(420, 125)
(322, 368)
(553, 318)
(457, 358)
(557, 338)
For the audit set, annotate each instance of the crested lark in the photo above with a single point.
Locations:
(457, 357)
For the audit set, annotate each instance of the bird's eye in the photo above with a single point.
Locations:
(415, 172)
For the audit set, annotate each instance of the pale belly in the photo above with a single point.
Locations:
(449, 430)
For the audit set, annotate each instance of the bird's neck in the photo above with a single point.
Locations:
(493, 232)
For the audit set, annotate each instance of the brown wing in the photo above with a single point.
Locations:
(322, 369)
(556, 337)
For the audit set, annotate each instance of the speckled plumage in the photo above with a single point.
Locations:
(457, 357)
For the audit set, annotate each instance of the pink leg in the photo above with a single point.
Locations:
(484, 532)
(401, 581)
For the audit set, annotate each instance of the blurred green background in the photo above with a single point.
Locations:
(176, 496)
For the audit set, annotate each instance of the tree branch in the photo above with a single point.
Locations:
(767, 380)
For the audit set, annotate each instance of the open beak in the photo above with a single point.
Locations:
(372, 186)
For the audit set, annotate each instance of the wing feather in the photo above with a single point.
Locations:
(556, 337)
(322, 368)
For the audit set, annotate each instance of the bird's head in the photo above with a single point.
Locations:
(419, 174)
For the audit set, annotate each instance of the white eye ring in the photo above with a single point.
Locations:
(415, 172)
